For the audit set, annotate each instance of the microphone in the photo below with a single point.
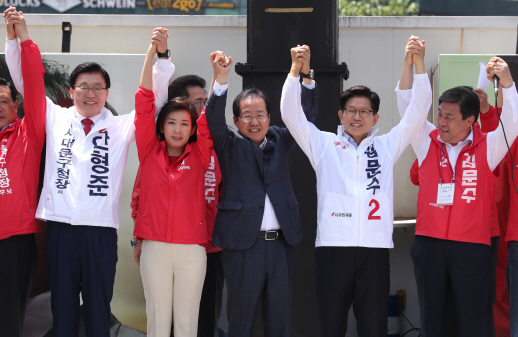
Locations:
(496, 81)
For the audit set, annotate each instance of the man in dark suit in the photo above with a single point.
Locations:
(258, 217)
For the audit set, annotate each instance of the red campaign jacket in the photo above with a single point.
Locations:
(20, 154)
(172, 195)
(490, 122)
(212, 183)
(469, 219)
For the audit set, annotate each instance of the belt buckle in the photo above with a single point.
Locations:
(266, 235)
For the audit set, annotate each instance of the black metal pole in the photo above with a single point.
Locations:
(66, 27)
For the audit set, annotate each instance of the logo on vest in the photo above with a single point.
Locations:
(341, 215)
(344, 147)
(183, 166)
(469, 178)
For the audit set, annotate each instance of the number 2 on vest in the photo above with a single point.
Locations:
(374, 210)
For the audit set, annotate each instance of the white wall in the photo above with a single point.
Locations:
(373, 49)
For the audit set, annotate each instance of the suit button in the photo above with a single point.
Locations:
(262, 206)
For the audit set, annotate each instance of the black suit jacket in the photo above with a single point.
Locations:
(248, 173)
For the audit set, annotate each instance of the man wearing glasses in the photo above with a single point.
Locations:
(355, 216)
(87, 148)
(258, 217)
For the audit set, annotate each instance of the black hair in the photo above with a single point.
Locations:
(250, 92)
(179, 87)
(467, 99)
(12, 88)
(176, 104)
(88, 67)
(361, 91)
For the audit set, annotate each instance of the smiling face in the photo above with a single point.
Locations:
(8, 107)
(356, 126)
(452, 128)
(177, 129)
(88, 103)
(253, 107)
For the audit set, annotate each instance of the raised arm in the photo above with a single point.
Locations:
(404, 93)
(488, 116)
(163, 70)
(496, 142)
(308, 94)
(305, 133)
(215, 108)
(32, 72)
(145, 132)
(412, 127)
(13, 52)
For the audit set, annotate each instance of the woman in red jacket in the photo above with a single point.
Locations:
(174, 155)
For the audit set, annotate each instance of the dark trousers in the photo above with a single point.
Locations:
(17, 265)
(211, 297)
(261, 272)
(449, 272)
(491, 332)
(81, 259)
(512, 285)
(356, 276)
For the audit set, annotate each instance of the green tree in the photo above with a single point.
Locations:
(377, 8)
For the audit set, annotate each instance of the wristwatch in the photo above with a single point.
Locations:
(311, 74)
(166, 54)
(135, 242)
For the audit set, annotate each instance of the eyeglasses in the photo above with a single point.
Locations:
(199, 103)
(249, 118)
(364, 113)
(96, 90)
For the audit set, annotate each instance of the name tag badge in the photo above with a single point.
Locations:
(445, 194)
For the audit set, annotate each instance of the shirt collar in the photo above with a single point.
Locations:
(263, 144)
(7, 126)
(371, 133)
(463, 143)
(350, 139)
(95, 119)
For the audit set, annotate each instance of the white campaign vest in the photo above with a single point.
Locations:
(83, 173)
(355, 186)
(355, 191)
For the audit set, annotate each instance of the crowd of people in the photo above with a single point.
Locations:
(213, 204)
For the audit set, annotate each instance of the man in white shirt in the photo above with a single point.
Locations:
(86, 153)
(355, 216)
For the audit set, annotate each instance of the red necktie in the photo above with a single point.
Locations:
(88, 125)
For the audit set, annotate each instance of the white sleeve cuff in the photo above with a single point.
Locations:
(509, 92)
(13, 41)
(219, 89)
(310, 86)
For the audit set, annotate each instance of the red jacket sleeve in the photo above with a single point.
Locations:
(414, 173)
(489, 120)
(135, 196)
(35, 103)
(204, 142)
(145, 126)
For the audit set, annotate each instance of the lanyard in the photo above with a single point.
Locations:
(442, 154)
